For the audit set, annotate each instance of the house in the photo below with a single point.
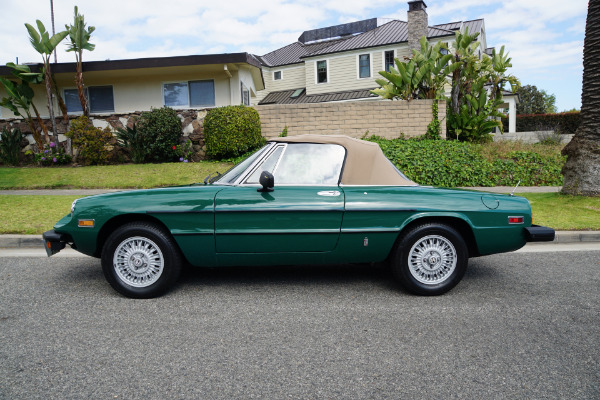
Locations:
(332, 64)
(126, 86)
(341, 62)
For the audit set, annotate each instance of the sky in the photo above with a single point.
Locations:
(544, 38)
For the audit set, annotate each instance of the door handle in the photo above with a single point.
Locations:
(331, 193)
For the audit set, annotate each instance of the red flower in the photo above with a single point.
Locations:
(174, 147)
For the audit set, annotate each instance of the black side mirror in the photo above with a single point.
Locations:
(267, 180)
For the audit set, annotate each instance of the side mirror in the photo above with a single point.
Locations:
(267, 180)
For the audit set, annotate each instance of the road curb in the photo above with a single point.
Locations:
(35, 241)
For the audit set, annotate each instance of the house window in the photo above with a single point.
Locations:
(322, 71)
(100, 99)
(388, 59)
(364, 66)
(189, 94)
(277, 75)
(245, 94)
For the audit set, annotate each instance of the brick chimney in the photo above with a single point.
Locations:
(417, 23)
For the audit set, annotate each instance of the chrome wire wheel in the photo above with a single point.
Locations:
(432, 260)
(138, 262)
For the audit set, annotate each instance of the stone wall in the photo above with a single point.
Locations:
(387, 119)
(191, 123)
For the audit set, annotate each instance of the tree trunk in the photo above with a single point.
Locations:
(50, 102)
(41, 123)
(79, 82)
(582, 169)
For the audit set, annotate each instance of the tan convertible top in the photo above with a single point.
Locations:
(365, 162)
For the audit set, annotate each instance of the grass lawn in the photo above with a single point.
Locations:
(36, 214)
(108, 176)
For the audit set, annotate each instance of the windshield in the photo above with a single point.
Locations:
(231, 176)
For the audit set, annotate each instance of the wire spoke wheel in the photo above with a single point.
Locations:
(432, 259)
(138, 261)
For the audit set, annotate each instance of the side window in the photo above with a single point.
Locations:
(322, 71)
(310, 164)
(268, 164)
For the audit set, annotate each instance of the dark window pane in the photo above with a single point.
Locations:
(364, 66)
(176, 94)
(389, 60)
(72, 100)
(277, 75)
(321, 71)
(202, 93)
(101, 99)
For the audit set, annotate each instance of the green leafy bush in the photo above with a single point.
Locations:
(451, 164)
(565, 123)
(231, 131)
(10, 145)
(135, 143)
(90, 141)
(161, 130)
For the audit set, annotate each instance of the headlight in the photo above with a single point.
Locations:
(73, 206)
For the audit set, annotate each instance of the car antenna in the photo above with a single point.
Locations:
(513, 192)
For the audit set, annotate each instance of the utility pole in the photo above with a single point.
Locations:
(53, 32)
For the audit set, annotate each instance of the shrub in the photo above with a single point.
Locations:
(566, 123)
(90, 141)
(231, 131)
(10, 145)
(135, 143)
(161, 130)
(51, 155)
(452, 164)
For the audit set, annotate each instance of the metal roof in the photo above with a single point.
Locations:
(291, 53)
(283, 97)
(392, 32)
(474, 25)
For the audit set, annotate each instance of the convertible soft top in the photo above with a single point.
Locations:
(365, 162)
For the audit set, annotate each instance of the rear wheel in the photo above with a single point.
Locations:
(430, 259)
(139, 260)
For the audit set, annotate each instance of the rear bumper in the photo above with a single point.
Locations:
(536, 233)
(55, 242)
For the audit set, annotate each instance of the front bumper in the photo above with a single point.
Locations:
(536, 233)
(55, 242)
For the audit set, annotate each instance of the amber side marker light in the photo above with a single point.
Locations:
(86, 223)
(515, 220)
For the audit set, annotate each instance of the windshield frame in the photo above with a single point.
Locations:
(233, 174)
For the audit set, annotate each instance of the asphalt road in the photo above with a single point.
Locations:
(519, 326)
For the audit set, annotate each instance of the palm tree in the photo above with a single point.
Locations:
(582, 169)
(80, 37)
(45, 45)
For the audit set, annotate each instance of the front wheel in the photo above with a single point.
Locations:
(430, 259)
(139, 260)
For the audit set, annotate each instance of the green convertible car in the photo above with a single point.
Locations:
(307, 199)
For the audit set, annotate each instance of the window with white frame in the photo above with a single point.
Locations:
(322, 72)
(388, 60)
(100, 98)
(364, 66)
(245, 94)
(444, 49)
(277, 76)
(189, 94)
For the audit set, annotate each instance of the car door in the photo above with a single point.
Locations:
(302, 214)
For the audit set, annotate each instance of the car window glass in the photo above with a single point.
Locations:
(310, 164)
(231, 175)
(267, 165)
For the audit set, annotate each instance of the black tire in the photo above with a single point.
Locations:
(140, 260)
(430, 259)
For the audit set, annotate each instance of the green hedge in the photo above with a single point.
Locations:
(232, 131)
(452, 164)
(566, 123)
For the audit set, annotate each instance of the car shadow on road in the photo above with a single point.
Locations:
(377, 275)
